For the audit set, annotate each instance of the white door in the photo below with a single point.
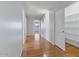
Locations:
(59, 29)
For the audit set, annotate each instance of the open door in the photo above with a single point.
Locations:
(59, 29)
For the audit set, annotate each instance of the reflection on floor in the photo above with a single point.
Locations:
(35, 47)
(40, 48)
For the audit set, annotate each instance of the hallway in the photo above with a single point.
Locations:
(55, 25)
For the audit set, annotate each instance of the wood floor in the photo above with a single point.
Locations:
(72, 50)
(43, 48)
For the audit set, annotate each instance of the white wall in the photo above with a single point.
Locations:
(59, 28)
(42, 28)
(11, 28)
(24, 24)
(48, 26)
(51, 27)
(29, 26)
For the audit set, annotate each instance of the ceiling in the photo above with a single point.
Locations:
(37, 8)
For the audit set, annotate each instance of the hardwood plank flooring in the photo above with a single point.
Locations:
(42, 48)
(72, 50)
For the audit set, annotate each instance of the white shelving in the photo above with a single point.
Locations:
(72, 19)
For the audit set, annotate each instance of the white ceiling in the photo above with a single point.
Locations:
(36, 8)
